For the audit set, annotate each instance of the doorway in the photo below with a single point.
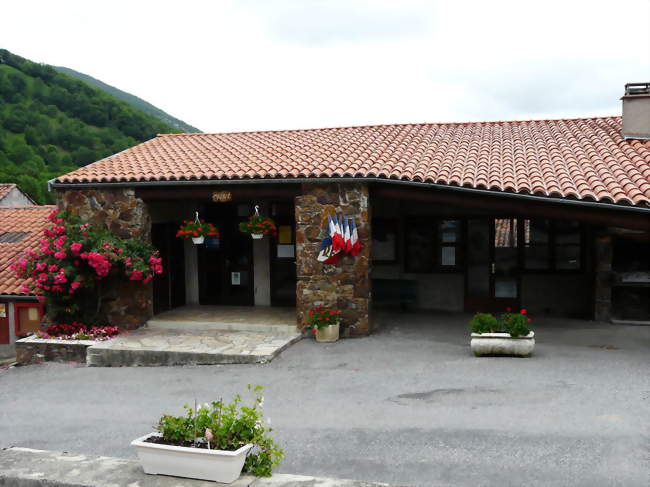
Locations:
(225, 264)
(492, 281)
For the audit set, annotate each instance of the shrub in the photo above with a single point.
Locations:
(516, 324)
(483, 323)
(227, 426)
(74, 257)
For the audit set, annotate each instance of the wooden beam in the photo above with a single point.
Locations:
(239, 192)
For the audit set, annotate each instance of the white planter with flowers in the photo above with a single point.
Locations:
(197, 230)
(195, 463)
(324, 324)
(258, 226)
(507, 335)
(212, 442)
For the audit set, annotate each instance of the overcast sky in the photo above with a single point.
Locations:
(278, 64)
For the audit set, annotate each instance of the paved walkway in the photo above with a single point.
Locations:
(409, 405)
(168, 346)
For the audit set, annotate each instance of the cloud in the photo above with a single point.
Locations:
(328, 22)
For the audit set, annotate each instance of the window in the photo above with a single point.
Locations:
(448, 241)
(432, 245)
(553, 245)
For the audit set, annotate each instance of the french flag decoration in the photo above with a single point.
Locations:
(355, 245)
(343, 238)
(327, 254)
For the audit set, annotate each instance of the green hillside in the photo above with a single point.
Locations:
(51, 123)
(132, 100)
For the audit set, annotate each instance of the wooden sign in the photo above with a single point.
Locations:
(222, 196)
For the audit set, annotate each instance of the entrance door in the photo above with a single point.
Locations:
(492, 278)
(283, 256)
(226, 267)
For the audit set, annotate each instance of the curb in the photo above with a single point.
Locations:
(26, 467)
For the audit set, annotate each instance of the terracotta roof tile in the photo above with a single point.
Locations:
(30, 220)
(577, 158)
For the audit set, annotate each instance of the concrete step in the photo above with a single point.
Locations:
(275, 329)
(167, 346)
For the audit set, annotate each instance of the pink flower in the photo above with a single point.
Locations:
(76, 247)
(25, 289)
(136, 275)
(75, 285)
(52, 268)
(59, 255)
(40, 299)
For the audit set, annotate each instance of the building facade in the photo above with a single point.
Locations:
(553, 215)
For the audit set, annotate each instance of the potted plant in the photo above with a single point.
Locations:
(507, 335)
(197, 230)
(212, 442)
(258, 226)
(324, 323)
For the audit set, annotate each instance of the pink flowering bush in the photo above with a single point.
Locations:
(78, 331)
(73, 258)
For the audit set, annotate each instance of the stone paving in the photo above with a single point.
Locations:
(241, 318)
(167, 346)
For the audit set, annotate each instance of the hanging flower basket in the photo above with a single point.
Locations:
(197, 230)
(258, 226)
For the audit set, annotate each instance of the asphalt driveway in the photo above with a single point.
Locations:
(408, 405)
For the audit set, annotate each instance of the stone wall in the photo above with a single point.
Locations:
(33, 350)
(346, 285)
(125, 304)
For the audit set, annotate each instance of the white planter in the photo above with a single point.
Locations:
(328, 334)
(198, 240)
(195, 463)
(502, 344)
(257, 236)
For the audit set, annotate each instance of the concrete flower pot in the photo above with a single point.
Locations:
(502, 344)
(328, 334)
(198, 240)
(195, 463)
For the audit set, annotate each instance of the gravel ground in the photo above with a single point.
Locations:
(408, 405)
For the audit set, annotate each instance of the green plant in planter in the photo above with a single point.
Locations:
(258, 225)
(516, 324)
(484, 323)
(227, 426)
(320, 317)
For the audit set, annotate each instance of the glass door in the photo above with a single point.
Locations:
(492, 277)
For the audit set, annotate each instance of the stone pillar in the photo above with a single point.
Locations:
(603, 278)
(125, 304)
(346, 285)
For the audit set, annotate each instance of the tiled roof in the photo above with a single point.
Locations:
(5, 189)
(29, 219)
(577, 158)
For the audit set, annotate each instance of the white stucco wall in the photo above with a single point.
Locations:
(16, 198)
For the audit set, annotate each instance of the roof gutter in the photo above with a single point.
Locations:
(52, 184)
(18, 297)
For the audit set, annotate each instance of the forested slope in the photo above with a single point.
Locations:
(51, 123)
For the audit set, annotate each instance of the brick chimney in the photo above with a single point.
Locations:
(636, 111)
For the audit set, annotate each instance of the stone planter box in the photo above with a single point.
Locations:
(195, 463)
(32, 350)
(502, 344)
